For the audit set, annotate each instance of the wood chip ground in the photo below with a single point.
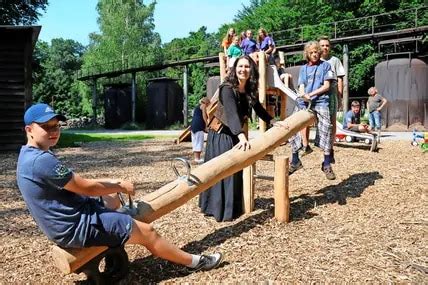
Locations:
(368, 225)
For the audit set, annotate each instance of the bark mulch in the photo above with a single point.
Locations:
(368, 225)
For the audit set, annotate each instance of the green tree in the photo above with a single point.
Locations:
(20, 12)
(54, 76)
(198, 44)
(291, 22)
(126, 39)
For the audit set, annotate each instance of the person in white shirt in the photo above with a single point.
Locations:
(336, 86)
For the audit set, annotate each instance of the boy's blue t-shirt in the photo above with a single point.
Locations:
(313, 77)
(62, 215)
(350, 118)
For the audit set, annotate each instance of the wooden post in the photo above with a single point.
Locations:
(221, 57)
(248, 181)
(178, 192)
(345, 79)
(281, 57)
(283, 111)
(133, 97)
(262, 87)
(249, 187)
(185, 95)
(282, 201)
(269, 107)
(94, 101)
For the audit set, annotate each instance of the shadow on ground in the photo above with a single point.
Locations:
(351, 187)
(154, 270)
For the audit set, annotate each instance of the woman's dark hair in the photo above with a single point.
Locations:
(251, 86)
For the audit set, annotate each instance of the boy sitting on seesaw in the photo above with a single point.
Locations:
(62, 204)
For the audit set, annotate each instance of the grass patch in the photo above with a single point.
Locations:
(73, 140)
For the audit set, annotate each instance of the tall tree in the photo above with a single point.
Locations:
(126, 39)
(20, 12)
(197, 44)
(293, 21)
(127, 35)
(54, 76)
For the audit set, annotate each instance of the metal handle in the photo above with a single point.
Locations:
(186, 163)
(127, 208)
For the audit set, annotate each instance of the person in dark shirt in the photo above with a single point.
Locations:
(62, 204)
(237, 94)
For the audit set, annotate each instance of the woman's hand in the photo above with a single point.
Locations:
(243, 144)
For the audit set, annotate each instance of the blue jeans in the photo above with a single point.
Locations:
(375, 120)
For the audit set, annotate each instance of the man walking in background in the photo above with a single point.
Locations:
(375, 104)
(336, 86)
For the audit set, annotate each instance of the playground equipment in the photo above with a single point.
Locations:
(269, 85)
(350, 136)
(178, 192)
(420, 138)
(276, 83)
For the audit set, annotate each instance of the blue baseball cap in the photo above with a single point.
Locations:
(41, 113)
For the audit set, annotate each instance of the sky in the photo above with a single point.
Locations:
(76, 19)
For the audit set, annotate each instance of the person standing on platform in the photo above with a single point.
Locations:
(233, 52)
(227, 40)
(249, 46)
(266, 44)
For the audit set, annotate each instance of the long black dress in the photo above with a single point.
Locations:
(224, 199)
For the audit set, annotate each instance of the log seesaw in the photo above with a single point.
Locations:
(173, 195)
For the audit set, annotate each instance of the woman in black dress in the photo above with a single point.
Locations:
(237, 94)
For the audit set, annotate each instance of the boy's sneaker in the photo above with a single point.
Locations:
(199, 161)
(328, 171)
(306, 150)
(294, 167)
(208, 262)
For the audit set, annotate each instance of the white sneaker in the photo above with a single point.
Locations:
(208, 262)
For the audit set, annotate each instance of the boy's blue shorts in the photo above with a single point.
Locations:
(111, 229)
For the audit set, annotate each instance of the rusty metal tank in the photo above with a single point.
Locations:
(404, 83)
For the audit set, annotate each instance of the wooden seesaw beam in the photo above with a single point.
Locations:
(180, 191)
